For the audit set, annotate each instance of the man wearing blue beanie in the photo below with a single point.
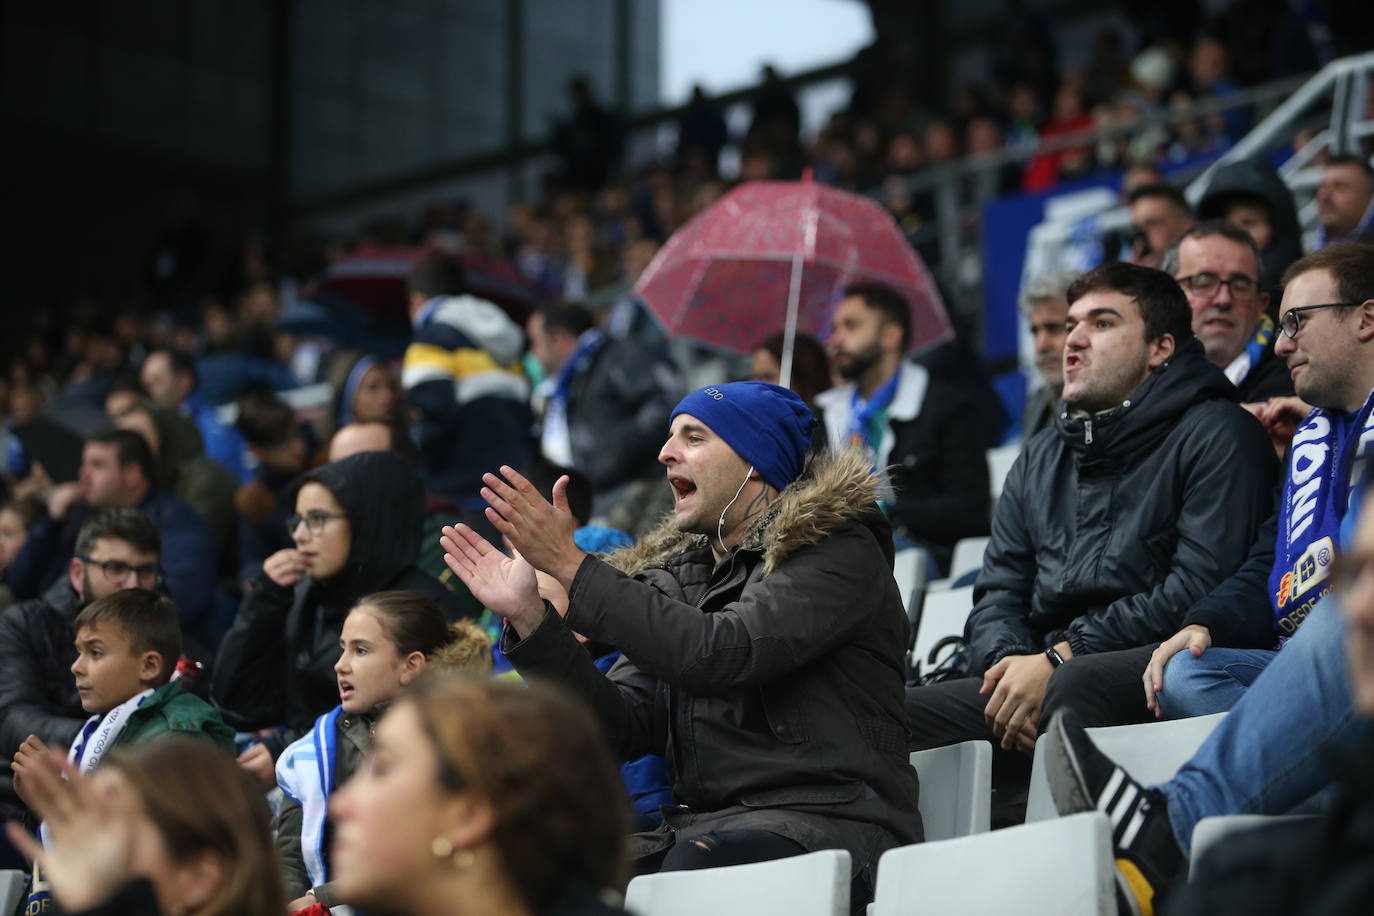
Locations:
(761, 635)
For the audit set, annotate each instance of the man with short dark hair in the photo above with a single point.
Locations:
(462, 375)
(1218, 266)
(1291, 706)
(1159, 216)
(169, 376)
(117, 471)
(923, 432)
(1146, 494)
(115, 549)
(602, 402)
(1345, 201)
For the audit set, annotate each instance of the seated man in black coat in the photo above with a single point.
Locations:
(1145, 494)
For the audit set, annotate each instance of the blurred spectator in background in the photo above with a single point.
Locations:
(278, 445)
(369, 437)
(810, 366)
(1070, 117)
(118, 471)
(1046, 309)
(1345, 201)
(701, 128)
(365, 391)
(922, 429)
(183, 469)
(605, 397)
(1209, 72)
(1218, 267)
(590, 141)
(462, 375)
(1159, 216)
(169, 377)
(17, 516)
(777, 117)
(1252, 195)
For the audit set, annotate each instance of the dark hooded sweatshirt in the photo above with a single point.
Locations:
(1257, 181)
(276, 664)
(1111, 527)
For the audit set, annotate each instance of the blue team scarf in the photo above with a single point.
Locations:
(1324, 462)
(305, 773)
(865, 417)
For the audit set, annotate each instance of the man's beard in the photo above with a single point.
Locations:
(860, 362)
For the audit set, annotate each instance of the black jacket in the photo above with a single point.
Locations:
(276, 664)
(772, 683)
(1323, 867)
(619, 402)
(37, 691)
(1269, 378)
(1110, 528)
(1256, 180)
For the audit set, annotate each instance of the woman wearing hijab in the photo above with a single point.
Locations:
(357, 531)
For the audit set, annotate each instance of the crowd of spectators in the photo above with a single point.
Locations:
(305, 495)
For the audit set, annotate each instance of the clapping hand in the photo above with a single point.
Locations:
(505, 584)
(90, 824)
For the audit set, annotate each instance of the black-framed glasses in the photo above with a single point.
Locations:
(1209, 284)
(149, 575)
(1291, 322)
(314, 521)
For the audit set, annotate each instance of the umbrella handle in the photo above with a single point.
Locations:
(789, 336)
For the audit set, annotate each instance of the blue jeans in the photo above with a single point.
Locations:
(1270, 753)
(1212, 682)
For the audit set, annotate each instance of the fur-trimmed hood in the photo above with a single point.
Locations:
(834, 489)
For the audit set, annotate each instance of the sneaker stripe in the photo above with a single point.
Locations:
(1104, 800)
(1128, 802)
(1133, 828)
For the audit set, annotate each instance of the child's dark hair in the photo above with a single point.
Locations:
(147, 618)
(415, 624)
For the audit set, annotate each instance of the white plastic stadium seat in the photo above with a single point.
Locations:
(968, 556)
(956, 789)
(1151, 752)
(815, 884)
(1000, 460)
(909, 569)
(13, 884)
(943, 613)
(1210, 831)
(1046, 869)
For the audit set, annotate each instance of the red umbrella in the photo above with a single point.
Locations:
(777, 255)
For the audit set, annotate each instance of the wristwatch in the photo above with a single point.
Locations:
(1055, 658)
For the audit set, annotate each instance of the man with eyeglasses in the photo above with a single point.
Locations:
(1218, 267)
(116, 549)
(1267, 641)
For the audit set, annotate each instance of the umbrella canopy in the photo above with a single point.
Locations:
(776, 256)
(375, 277)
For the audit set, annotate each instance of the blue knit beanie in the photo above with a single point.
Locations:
(767, 425)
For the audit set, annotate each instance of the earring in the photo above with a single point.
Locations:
(441, 847)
